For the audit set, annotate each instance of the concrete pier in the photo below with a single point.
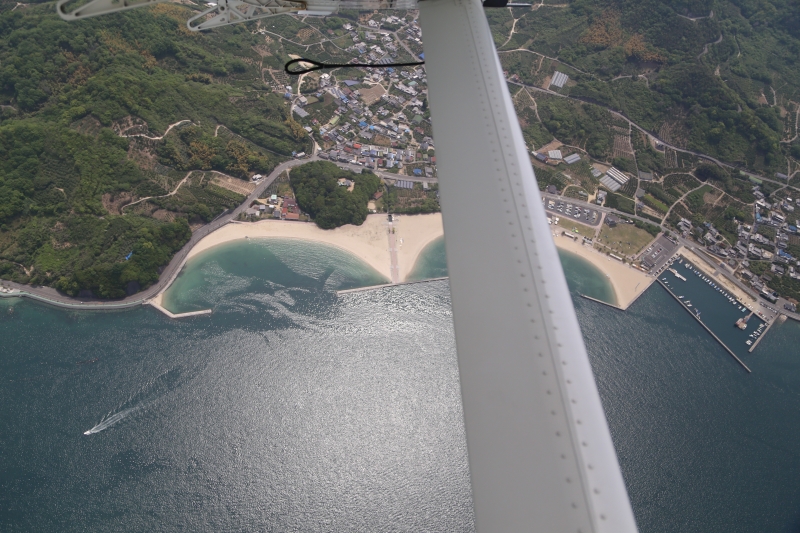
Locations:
(602, 302)
(375, 287)
(638, 295)
(170, 314)
(706, 328)
(764, 334)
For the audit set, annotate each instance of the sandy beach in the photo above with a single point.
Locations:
(369, 242)
(414, 233)
(628, 282)
(722, 281)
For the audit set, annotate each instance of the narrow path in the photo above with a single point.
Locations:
(646, 81)
(162, 196)
(680, 201)
(545, 57)
(535, 105)
(695, 19)
(705, 46)
(510, 35)
(796, 125)
(156, 138)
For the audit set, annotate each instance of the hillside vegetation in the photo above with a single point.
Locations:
(83, 109)
(332, 205)
(719, 77)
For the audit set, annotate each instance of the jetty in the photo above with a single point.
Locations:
(170, 314)
(604, 303)
(384, 285)
(707, 328)
(763, 334)
(676, 274)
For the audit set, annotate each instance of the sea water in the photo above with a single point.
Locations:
(432, 262)
(716, 311)
(289, 409)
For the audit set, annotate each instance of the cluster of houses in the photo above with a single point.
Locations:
(372, 156)
(753, 245)
(370, 126)
(278, 207)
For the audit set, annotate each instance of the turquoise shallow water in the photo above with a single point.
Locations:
(259, 264)
(431, 262)
(289, 409)
(584, 278)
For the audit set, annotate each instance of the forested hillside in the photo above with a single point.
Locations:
(330, 204)
(721, 77)
(84, 158)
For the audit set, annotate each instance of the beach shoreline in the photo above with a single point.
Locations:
(414, 233)
(627, 282)
(369, 241)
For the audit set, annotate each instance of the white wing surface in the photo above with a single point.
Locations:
(540, 451)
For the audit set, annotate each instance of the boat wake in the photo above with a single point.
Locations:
(146, 396)
(110, 421)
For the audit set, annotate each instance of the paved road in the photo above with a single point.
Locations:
(595, 207)
(622, 116)
(168, 275)
(693, 246)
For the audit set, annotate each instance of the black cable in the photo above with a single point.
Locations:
(321, 66)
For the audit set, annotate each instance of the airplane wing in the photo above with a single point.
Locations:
(540, 451)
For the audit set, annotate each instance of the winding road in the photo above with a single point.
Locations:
(51, 296)
(621, 116)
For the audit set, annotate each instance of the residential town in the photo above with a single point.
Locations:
(378, 119)
(373, 117)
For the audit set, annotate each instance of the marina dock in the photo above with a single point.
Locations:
(707, 328)
(769, 325)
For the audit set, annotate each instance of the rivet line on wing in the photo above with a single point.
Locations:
(513, 177)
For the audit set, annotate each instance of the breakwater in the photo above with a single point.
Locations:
(705, 327)
(602, 302)
(384, 285)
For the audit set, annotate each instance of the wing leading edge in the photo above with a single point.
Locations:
(540, 451)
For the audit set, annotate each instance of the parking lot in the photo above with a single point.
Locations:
(577, 212)
(658, 253)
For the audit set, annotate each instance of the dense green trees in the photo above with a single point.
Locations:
(66, 89)
(617, 201)
(578, 124)
(331, 205)
(707, 171)
(719, 85)
(148, 246)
